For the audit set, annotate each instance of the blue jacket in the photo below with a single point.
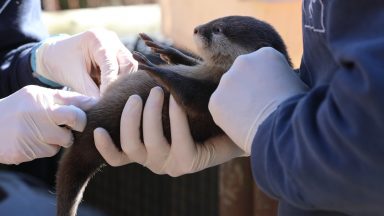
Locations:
(20, 29)
(322, 153)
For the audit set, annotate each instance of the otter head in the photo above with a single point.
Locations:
(220, 41)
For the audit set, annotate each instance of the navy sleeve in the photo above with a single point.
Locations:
(325, 149)
(20, 29)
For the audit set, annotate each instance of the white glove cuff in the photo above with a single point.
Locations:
(263, 114)
(39, 70)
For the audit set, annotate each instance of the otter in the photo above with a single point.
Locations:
(190, 79)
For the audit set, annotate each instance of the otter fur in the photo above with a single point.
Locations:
(191, 80)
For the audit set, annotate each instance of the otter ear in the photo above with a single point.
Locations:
(264, 44)
(281, 48)
(190, 93)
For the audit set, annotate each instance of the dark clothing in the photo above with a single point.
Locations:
(22, 195)
(324, 150)
(20, 29)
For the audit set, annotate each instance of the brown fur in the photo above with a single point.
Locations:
(190, 80)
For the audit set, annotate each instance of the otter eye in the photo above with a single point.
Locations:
(217, 30)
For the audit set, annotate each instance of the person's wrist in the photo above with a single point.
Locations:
(39, 71)
(264, 113)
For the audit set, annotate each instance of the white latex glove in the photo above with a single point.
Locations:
(71, 61)
(32, 119)
(250, 91)
(181, 157)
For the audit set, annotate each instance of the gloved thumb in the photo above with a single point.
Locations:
(68, 109)
(70, 116)
(83, 102)
(112, 64)
(107, 149)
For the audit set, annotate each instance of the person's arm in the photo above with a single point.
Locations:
(21, 28)
(84, 62)
(324, 150)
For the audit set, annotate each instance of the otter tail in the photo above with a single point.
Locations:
(77, 166)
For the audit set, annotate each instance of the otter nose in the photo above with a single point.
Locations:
(197, 30)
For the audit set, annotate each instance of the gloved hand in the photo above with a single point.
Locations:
(31, 121)
(250, 91)
(181, 157)
(72, 61)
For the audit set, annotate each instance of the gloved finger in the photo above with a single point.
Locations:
(157, 146)
(70, 116)
(183, 145)
(127, 64)
(88, 87)
(73, 98)
(49, 149)
(56, 135)
(105, 57)
(28, 151)
(28, 154)
(130, 130)
(179, 124)
(109, 67)
(107, 148)
(183, 152)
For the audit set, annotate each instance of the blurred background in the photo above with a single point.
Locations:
(171, 19)
(132, 190)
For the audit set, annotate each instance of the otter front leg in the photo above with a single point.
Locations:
(192, 94)
(169, 54)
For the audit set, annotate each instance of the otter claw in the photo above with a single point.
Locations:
(144, 63)
(158, 48)
(165, 52)
(150, 42)
(153, 45)
(160, 75)
(142, 59)
(145, 67)
(145, 37)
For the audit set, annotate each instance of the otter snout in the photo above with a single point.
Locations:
(202, 31)
(197, 30)
(202, 34)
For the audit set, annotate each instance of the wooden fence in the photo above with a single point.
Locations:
(51, 5)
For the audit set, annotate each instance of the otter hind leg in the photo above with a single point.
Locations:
(192, 94)
(168, 53)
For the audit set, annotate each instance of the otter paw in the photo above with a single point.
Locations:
(167, 53)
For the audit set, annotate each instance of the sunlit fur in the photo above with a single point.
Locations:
(220, 41)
